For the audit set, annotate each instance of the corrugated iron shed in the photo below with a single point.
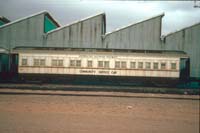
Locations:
(41, 30)
(86, 32)
(141, 35)
(188, 40)
(27, 31)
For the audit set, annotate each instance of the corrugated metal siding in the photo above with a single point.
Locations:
(144, 35)
(83, 34)
(28, 32)
(187, 40)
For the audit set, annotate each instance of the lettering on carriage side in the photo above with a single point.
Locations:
(104, 72)
(98, 72)
(113, 72)
(87, 71)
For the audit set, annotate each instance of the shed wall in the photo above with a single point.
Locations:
(144, 35)
(187, 40)
(83, 34)
(28, 32)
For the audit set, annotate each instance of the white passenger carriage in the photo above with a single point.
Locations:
(102, 64)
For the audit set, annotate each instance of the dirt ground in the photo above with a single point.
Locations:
(97, 114)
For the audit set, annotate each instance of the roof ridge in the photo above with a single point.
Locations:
(4, 19)
(135, 23)
(27, 17)
(168, 34)
(75, 22)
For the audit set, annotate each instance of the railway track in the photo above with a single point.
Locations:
(99, 88)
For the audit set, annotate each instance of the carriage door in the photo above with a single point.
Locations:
(184, 68)
(4, 68)
(14, 64)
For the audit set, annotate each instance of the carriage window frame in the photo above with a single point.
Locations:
(147, 65)
(60, 63)
(103, 64)
(53, 62)
(75, 63)
(120, 64)
(132, 64)
(72, 63)
(42, 62)
(24, 62)
(39, 62)
(36, 62)
(57, 62)
(100, 64)
(140, 65)
(123, 64)
(78, 63)
(173, 66)
(163, 65)
(90, 63)
(106, 64)
(117, 64)
(155, 65)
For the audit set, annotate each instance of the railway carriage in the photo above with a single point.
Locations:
(103, 66)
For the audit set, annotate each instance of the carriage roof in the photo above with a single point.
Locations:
(47, 50)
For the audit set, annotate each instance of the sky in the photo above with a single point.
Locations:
(178, 14)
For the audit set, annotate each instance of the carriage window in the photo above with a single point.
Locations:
(132, 65)
(123, 64)
(89, 63)
(140, 65)
(117, 64)
(155, 65)
(75, 63)
(36, 62)
(106, 64)
(72, 63)
(173, 66)
(120, 64)
(100, 63)
(78, 63)
(39, 62)
(24, 62)
(60, 63)
(54, 62)
(163, 65)
(147, 65)
(42, 62)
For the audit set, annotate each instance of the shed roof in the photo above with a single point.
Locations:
(190, 26)
(132, 24)
(75, 22)
(4, 19)
(28, 17)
